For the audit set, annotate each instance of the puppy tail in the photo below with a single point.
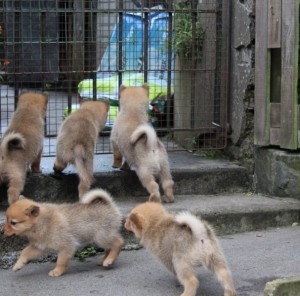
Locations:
(146, 132)
(12, 141)
(200, 229)
(97, 195)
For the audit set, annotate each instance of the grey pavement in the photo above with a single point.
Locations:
(254, 258)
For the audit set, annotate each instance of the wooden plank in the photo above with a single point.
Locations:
(289, 97)
(275, 136)
(275, 115)
(78, 39)
(262, 95)
(274, 23)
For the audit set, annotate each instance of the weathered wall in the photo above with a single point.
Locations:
(241, 98)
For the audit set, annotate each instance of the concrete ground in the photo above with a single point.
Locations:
(254, 258)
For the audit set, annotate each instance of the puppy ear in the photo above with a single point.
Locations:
(32, 211)
(122, 87)
(137, 220)
(145, 86)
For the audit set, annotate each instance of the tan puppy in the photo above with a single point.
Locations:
(135, 140)
(181, 243)
(77, 138)
(22, 144)
(65, 228)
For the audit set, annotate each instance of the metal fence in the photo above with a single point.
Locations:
(84, 50)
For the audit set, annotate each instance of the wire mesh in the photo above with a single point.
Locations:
(84, 50)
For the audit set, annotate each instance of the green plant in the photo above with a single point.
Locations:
(86, 252)
(184, 37)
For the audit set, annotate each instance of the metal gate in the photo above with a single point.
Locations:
(84, 50)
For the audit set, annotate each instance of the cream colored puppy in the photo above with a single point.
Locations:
(181, 243)
(65, 228)
(133, 139)
(22, 143)
(77, 138)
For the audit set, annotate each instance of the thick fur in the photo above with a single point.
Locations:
(181, 243)
(77, 138)
(133, 139)
(22, 143)
(65, 228)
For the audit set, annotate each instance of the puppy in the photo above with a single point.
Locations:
(77, 138)
(135, 140)
(65, 228)
(22, 144)
(181, 243)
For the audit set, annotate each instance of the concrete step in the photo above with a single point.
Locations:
(229, 214)
(191, 174)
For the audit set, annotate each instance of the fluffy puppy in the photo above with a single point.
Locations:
(65, 228)
(181, 243)
(22, 143)
(135, 140)
(77, 138)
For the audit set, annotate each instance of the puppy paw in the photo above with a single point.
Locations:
(19, 265)
(169, 198)
(56, 272)
(107, 262)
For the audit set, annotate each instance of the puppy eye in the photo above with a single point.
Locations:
(13, 223)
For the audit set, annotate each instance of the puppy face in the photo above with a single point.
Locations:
(20, 217)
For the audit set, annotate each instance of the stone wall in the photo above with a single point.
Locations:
(241, 98)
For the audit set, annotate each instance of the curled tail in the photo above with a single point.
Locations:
(144, 131)
(12, 141)
(97, 195)
(199, 229)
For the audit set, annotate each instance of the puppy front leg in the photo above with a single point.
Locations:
(61, 263)
(29, 253)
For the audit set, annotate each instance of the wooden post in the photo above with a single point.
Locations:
(262, 93)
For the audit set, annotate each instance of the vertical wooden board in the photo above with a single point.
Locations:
(78, 39)
(274, 23)
(262, 95)
(289, 104)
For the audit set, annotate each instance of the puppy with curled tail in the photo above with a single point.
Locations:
(65, 228)
(22, 143)
(181, 243)
(77, 139)
(135, 143)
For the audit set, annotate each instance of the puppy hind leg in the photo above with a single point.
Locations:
(15, 186)
(167, 184)
(117, 162)
(59, 165)
(148, 181)
(218, 265)
(186, 275)
(85, 171)
(113, 252)
(35, 166)
(29, 253)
